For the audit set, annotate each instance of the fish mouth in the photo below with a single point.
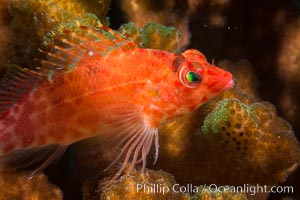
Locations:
(229, 84)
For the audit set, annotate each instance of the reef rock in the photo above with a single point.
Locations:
(19, 186)
(154, 185)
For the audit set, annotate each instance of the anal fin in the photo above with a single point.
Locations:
(40, 156)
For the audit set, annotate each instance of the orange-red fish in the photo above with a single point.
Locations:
(106, 85)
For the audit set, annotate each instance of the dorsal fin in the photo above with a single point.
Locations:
(16, 82)
(71, 45)
(62, 57)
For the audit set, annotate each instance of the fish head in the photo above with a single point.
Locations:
(197, 80)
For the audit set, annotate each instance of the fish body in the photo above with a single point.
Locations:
(109, 87)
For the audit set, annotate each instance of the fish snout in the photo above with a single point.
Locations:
(219, 79)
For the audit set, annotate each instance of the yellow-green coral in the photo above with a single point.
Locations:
(46, 15)
(134, 32)
(153, 36)
(17, 185)
(153, 185)
(169, 13)
(240, 125)
(255, 131)
(34, 19)
(156, 36)
(89, 20)
(126, 187)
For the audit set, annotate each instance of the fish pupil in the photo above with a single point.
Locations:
(192, 77)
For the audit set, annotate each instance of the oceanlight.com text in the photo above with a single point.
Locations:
(190, 188)
(251, 189)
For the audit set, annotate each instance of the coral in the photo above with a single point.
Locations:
(126, 187)
(48, 14)
(256, 132)
(245, 87)
(153, 36)
(152, 185)
(169, 13)
(246, 158)
(289, 56)
(289, 72)
(289, 104)
(156, 36)
(32, 20)
(19, 186)
(89, 20)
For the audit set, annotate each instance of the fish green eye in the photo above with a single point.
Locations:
(188, 77)
(192, 77)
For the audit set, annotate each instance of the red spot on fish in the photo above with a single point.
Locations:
(16, 109)
(9, 121)
(27, 139)
(4, 136)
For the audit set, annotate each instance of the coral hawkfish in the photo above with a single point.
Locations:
(100, 83)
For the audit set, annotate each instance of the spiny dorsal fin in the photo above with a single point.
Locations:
(61, 58)
(16, 82)
(71, 45)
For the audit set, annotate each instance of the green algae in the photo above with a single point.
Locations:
(48, 14)
(33, 20)
(133, 32)
(88, 20)
(157, 36)
(153, 36)
(220, 115)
